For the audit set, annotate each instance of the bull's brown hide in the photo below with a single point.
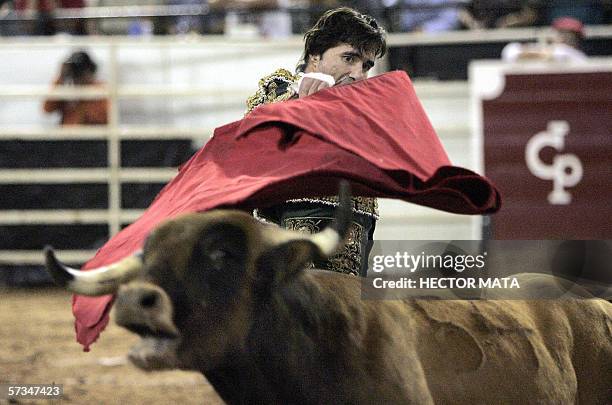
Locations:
(263, 330)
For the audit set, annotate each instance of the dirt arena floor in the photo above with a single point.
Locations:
(37, 346)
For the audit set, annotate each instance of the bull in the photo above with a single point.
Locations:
(225, 295)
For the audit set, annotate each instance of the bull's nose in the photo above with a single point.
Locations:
(145, 309)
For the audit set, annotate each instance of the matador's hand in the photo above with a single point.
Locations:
(310, 83)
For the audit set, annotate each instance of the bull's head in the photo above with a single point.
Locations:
(192, 292)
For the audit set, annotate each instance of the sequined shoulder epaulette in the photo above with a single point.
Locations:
(273, 88)
(361, 205)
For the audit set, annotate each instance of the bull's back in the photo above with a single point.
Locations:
(497, 351)
(514, 351)
(591, 323)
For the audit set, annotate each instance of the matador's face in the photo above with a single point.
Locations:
(345, 63)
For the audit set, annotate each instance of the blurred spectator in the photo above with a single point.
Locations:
(131, 26)
(186, 23)
(276, 23)
(271, 18)
(483, 14)
(45, 22)
(587, 11)
(79, 70)
(6, 5)
(418, 16)
(8, 27)
(544, 12)
(140, 27)
(381, 10)
(72, 26)
(527, 15)
(44, 25)
(565, 45)
(424, 15)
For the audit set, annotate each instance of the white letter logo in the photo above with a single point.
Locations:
(566, 169)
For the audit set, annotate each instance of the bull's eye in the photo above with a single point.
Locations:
(218, 258)
(218, 255)
(149, 299)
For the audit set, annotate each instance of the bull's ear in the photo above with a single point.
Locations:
(283, 262)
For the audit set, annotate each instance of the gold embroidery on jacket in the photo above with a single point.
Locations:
(268, 91)
(348, 259)
(361, 205)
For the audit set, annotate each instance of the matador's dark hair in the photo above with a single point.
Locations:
(343, 26)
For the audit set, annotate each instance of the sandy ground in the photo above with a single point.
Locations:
(37, 346)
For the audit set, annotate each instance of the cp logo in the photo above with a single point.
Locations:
(566, 169)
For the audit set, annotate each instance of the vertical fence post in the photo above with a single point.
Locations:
(114, 146)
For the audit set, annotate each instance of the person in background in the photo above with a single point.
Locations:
(487, 14)
(544, 12)
(564, 46)
(339, 49)
(424, 15)
(185, 24)
(272, 18)
(79, 70)
(46, 23)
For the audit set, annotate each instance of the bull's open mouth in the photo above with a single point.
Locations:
(145, 332)
(155, 353)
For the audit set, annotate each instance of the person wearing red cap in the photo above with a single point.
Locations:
(569, 31)
(563, 46)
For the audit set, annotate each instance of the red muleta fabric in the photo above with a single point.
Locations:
(374, 133)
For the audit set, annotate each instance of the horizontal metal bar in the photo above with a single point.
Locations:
(169, 41)
(56, 92)
(114, 12)
(100, 132)
(485, 36)
(435, 89)
(147, 175)
(126, 91)
(173, 10)
(64, 216)
(69, 132)
(453, 131)
(42, 176)
(181, 91)
(36, 257)
(134, 132)
(51, 176)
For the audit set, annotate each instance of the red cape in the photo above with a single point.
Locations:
(374, 133)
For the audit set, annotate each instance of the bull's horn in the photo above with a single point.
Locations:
(101, 281)
(329, 239)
